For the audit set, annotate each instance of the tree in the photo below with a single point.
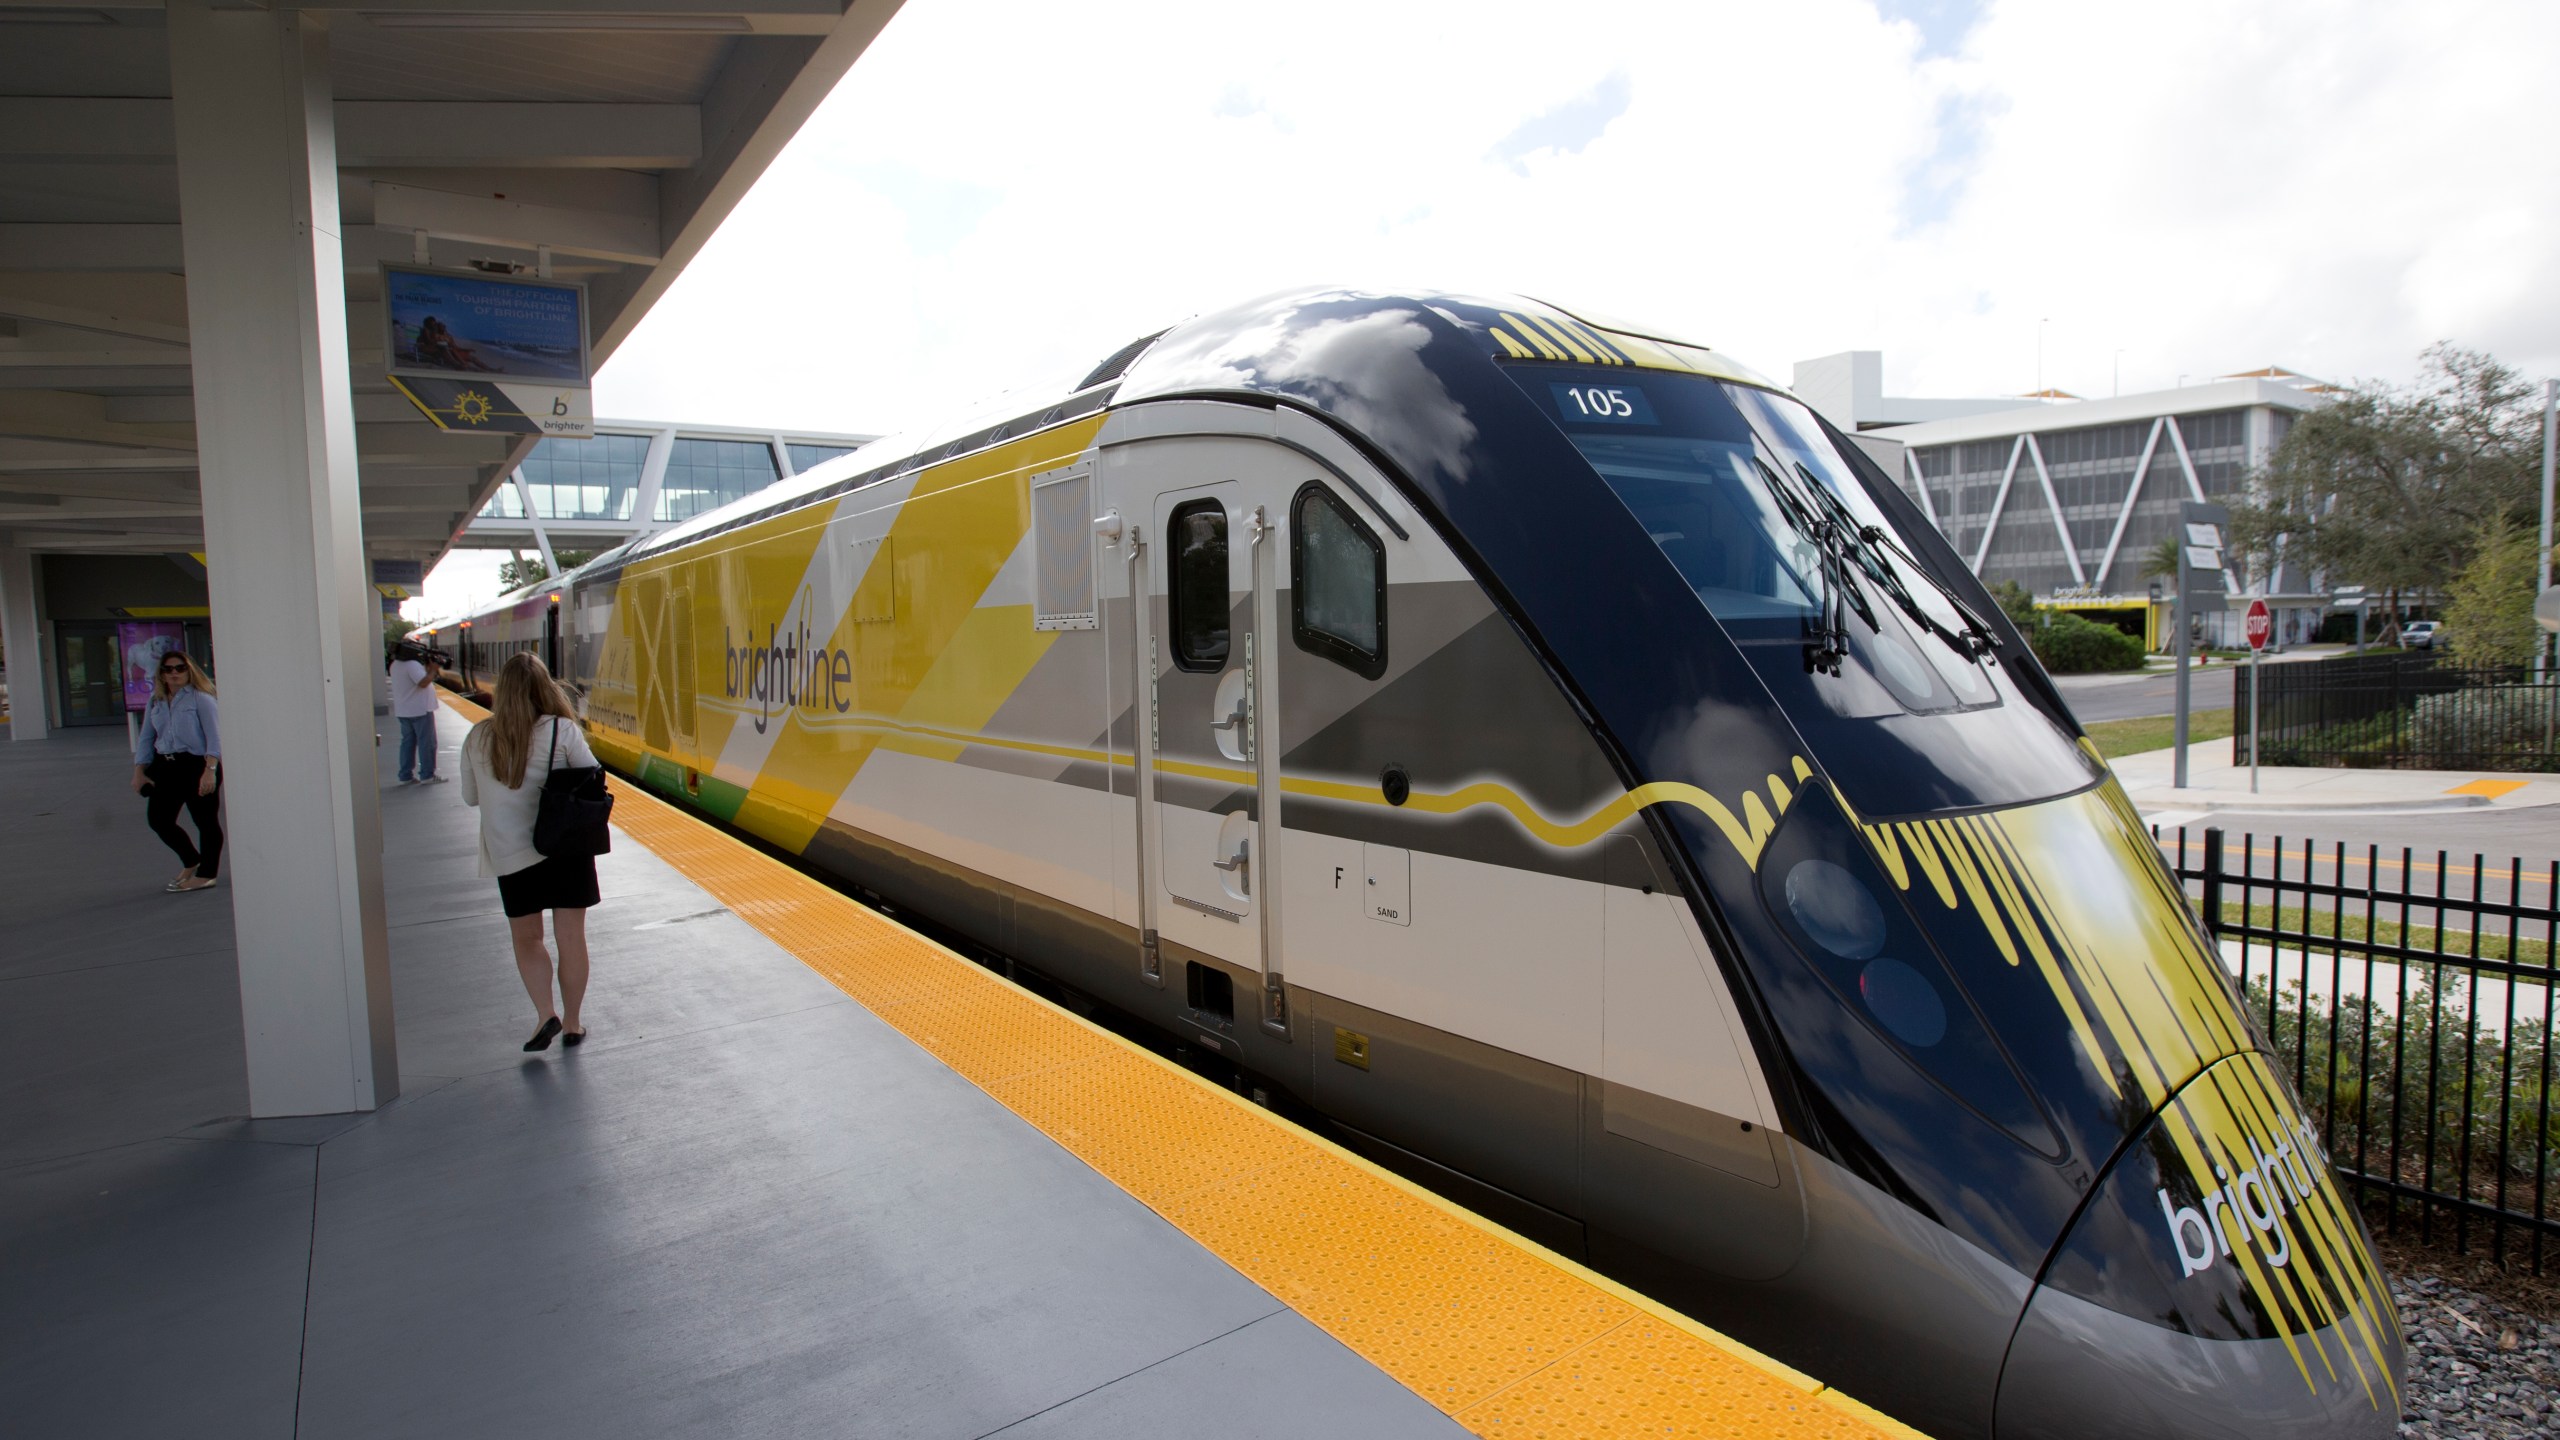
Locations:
(2017, 604)
(2489, 620)
(2161, 561)
(2394, 487)
(521, 570)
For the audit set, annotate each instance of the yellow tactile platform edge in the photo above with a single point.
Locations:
(1507, 1337)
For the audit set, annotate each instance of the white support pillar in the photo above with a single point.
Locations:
(2053, 505)
(653, 474)
(23, 639)
(533, 518)
(297, 623)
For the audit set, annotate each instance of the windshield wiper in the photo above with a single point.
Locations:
(1827, 644)
(1975, 641)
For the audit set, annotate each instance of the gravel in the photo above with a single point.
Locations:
(2478, 1370)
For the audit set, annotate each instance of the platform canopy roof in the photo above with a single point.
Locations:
(618, 133)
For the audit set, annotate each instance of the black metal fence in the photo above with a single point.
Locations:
(2410, 998)
(2406, 712)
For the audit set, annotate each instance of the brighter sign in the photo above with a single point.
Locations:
(502, 354)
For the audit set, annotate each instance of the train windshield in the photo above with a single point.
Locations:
(1745, 496)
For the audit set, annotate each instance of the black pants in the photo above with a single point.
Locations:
(173, 783)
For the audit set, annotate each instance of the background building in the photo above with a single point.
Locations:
(2069, 497)
(636, 476)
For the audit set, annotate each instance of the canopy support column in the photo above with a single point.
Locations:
(298, 629)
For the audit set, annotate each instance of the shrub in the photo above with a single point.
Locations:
(2504, 726)
(2069, 645)
(2433, 1083)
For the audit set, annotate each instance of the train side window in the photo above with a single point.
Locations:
(1198, 597)
(1338, 584)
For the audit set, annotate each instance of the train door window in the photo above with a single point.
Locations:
(1338, 584)
(1198, 594)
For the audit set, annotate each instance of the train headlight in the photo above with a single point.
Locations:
(1904, 1002)
(1835, 908)
(1838, 912)
(1888, 981)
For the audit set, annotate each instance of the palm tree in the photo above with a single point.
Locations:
(2161, 560)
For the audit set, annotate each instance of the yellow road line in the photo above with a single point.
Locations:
(1506, 1337)
(2388, 861)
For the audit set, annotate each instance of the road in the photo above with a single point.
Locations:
(2459, 850)
(2126, 697)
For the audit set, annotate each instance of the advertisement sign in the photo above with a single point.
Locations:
(490, 353)
(139, 646)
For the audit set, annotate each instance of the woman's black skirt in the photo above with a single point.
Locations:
(559, 882)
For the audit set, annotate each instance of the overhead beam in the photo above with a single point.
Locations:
(97, 359)
(91, 248)
(518, 134)
(404, 210)
(379, 133)
(758, 17)
(66, 415)
(13, 462)
(133, 307)
(91, 377)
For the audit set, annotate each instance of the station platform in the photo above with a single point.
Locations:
(812, 1175)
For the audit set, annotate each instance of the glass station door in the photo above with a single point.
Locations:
(92, 686)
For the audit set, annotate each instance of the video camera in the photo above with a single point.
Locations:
(423, 654)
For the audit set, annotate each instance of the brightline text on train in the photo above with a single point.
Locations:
(2277, 1179)
(788, 671)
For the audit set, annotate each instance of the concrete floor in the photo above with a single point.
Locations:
(746, 1207)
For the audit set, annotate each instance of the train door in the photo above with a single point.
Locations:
(551, 636)
(1204, 694)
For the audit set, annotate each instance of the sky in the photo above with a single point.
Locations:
(1999, 196)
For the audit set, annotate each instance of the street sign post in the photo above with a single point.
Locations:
(2200, 577)
(2259, 627)
(2352, 597)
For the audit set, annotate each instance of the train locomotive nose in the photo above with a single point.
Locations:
(2218, 1284)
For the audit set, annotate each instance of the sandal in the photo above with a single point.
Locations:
(190, 884)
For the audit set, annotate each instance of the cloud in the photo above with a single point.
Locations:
(2327, 184)
(1568, 128)
(1941, 25)
(941, 211)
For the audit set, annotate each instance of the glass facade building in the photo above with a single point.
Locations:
(707, 474)
(636, 477)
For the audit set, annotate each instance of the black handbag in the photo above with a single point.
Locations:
(576, 808)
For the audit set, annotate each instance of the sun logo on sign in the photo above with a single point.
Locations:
(472, 408)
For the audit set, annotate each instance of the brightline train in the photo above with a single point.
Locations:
(1557, 757)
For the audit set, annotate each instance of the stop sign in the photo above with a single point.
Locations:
(2260, 626)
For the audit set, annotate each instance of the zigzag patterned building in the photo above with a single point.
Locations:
(2067, 496)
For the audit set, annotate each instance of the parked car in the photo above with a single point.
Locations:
(2420, 635)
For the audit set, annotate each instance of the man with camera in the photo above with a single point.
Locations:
(414, 669)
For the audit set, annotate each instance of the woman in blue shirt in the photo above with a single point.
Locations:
(177, 761)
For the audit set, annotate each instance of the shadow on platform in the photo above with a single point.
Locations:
(746, 1207)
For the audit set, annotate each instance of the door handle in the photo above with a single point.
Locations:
(1233, 721)
(1239, 864)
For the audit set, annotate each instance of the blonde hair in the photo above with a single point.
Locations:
(525, 692)
(195, 675)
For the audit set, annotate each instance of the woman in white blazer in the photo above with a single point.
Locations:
(530, 731)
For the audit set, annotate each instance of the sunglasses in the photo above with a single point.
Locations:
(173, 669)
